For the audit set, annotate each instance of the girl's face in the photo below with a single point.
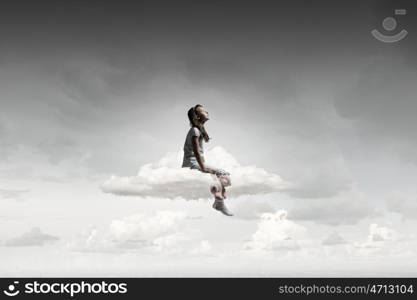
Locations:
(202, 114)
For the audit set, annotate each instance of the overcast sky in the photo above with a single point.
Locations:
(300, 89)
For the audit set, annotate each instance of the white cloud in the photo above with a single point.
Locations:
(380, 241)
(170, 242)
(145, 227)
(251, 208)
(379, 233)
(164, 232)
(91, 240)
(402, 204)
(345, 208)
(333, 239)
(323, 175)
(167, 179)
(275, 233)
(203, 248)
(15, 194)
(31, 163)
(35, 237)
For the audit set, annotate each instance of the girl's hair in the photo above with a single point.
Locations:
(195, 122)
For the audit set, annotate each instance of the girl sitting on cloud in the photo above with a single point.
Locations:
(194, 156)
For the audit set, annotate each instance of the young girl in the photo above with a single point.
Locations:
(194, 156)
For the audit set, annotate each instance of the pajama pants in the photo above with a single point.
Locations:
(219, 181)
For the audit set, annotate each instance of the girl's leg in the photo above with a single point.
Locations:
(224, 192)
(217, 192)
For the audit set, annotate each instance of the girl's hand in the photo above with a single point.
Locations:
(222, 172)
(208, 170)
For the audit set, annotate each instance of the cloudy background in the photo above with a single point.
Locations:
(298, 92)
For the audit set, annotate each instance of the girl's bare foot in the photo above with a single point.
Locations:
(219, 205)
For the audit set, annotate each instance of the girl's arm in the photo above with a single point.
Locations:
(199, 156)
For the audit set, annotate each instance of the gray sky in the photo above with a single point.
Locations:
(300, 89)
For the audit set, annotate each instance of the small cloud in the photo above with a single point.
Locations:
(251, 208)
(164, 232)
(379, 233)
(203, 248)
(146, 227)
(378, 237)
(12, 194)
(387, 243)
(322, 179)
(166, 178)
(275, 233)
(91, 240)
(333, 239)
(345, 208)
(403, 205)
(34, 237)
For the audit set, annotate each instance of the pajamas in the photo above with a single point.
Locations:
(221, 180)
